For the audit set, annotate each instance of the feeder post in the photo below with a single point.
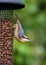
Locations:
(6, 31)
(6, 37)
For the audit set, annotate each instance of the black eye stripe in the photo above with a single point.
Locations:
(25, 37)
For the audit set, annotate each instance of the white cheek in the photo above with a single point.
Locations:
(26, 40)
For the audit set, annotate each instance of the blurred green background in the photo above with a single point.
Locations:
(33, 20)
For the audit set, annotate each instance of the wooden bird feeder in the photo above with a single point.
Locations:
(6, 32)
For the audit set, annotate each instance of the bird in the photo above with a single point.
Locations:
(19, 32)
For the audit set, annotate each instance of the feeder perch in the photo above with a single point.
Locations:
(6, 32)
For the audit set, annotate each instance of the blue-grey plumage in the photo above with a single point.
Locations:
(20, 31)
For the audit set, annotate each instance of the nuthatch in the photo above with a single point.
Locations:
(19, 33)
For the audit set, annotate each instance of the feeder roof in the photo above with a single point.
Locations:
(11, 4)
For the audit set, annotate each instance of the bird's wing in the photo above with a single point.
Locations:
(20, 31)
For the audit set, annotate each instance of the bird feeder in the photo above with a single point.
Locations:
(6, 32)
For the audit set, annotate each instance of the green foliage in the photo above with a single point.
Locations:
(33, 20)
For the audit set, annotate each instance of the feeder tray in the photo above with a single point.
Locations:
(11, 4)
